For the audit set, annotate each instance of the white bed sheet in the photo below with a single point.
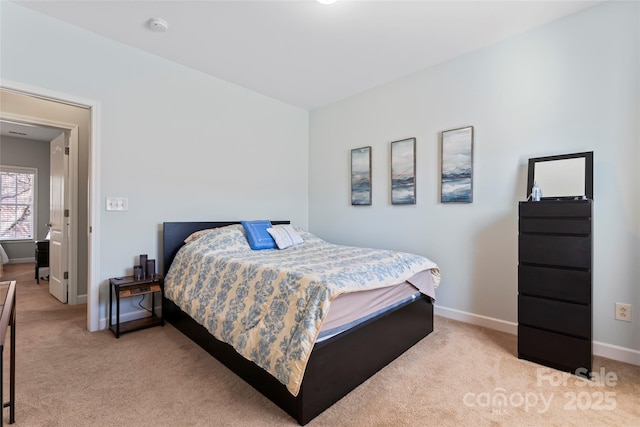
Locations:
(3, 256)
(349, 310)
(3, 259)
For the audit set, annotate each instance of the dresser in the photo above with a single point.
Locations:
(555, 284)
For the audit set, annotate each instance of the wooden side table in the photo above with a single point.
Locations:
(127, 287)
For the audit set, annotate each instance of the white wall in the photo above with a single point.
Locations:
(570, 86)
(28, 153)
(180, 145)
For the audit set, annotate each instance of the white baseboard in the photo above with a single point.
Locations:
(610, 351)
(621, 354)
(476, 319)
(22, 261)
(82, 299)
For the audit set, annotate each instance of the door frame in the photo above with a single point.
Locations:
(93, 208)
(72, 250)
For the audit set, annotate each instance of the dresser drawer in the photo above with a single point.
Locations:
(555, 350)
(565, 209)
(565, 251)
(577, 226)
(557, 316)
(557, 283)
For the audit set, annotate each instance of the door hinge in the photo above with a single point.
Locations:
(66, 275)
(66, 150)
(66, 213)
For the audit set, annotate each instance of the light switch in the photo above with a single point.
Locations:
(117, 204)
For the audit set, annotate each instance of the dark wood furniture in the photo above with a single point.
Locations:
(127, 287)
(8, 320)
(336, 366)
(554, 284)
(42, 257)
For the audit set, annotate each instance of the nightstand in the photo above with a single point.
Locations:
(42, 257)
(127, 287)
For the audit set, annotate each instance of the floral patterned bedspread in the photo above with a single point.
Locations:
(270, 304)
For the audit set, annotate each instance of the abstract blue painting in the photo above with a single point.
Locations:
(457, 166)
(403, 172)
(361, 176)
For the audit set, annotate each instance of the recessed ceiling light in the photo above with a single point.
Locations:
(326, 1)
(157, 24)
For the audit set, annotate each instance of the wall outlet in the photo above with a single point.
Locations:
(117, 204)
(623, 312)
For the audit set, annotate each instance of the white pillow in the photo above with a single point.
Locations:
(284, 235)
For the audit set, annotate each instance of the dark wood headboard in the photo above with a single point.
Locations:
(174, 233)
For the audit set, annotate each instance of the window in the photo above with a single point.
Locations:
(17, 202)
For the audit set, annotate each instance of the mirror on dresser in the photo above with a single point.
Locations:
(562, 177)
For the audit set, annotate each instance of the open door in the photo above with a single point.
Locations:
(59, 217)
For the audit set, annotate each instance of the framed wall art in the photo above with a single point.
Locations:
(457, 166)
(361, 176)
(403, 172)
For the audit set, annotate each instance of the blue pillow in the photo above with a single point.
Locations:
(257, 234)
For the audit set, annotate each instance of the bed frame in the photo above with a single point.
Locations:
(336, 366)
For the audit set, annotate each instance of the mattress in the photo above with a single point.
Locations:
(3, 256)
(3, 259)
(350, 310)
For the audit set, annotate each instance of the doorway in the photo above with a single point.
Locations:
(47, 108)
(63, 220)
(45, 151)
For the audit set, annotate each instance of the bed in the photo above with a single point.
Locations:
(334, 366)
(4, 259)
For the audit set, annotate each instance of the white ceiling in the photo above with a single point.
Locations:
(305, 53)
(20, 130)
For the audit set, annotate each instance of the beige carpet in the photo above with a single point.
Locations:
(456, 376)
